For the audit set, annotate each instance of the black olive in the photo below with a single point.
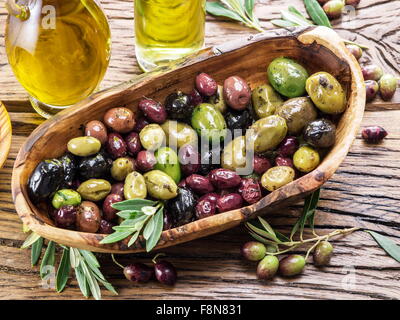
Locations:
(96, 166)
(206, 161)
(182, 207)
(45, 179)
(238, 120)
(179, 106)
(69, 164)
(320, 133)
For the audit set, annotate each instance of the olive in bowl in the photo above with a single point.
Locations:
(320, 133)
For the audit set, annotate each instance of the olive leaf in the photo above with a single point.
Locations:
(31, 239)
(295, 18)
(63, 271)
(157, 230)
(80, 278)
(36, 251)
(283, 23)
(49, 259)
(391, 248)
(316, 13)
(133, 205)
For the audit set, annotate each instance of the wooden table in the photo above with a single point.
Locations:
(364, 192)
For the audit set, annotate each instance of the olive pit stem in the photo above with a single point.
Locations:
(157, 255)
(116, 262)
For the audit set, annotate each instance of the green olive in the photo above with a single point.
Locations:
(209, 122)
(254, 251)
(121, 167)
(167, 161)
(277, 177)
(94, 189)
(326, 93)
(287, 77)
(66, 197)
(265, 100)
(306, 159)
(135, 186)
(266, 133)
(178, 133)
(234, 154)
(160, 185)
(322, 253)
(152, 137)
(292, 265)
(297, 112)
(267, 268)
(217, 100)
(84, 146)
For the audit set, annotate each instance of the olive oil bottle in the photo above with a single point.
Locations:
(59, 50)
(167, 30)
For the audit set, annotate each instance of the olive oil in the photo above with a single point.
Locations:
(167, 30)
(61, 52)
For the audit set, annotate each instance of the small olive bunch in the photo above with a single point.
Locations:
(334, 8)
(269, 264)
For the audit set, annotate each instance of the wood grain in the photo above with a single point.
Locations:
(363, 192)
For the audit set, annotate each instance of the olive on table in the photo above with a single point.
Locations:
(121, 120)
(195, 98)
(160, 185)
(153, 110)
(238, 120)
(168, 162)
(250, 190)
(118, 188)
(145, 161)
(372, 88)
(217, 100)
(182, 207)
(253, 251)
(179, 134)
(334, 8)
(224, 178)
(372, 72)
(152, 137)
(356, 51)
(96, 166)
(84, 146)
(106, 227)
(261, 164)
(65, 217)
(199, 184)
(94, 189)
(373, 134)
(288, 146)
(277, 177)
(140, 124)
(267, 268)
(287, 77)
(234, 154)
(209, 122)
(306, 159)
(230, 201)
(179, 106)
(284, 161)
(66, 197)
(189, 159)
(88, 217)
(96, 129)
(138, 273)
(326, 93)
(121, 167)
(322, 253)
(297, 112)
(109, 213)
(116, 146)
(237, 93)
(387, 86)
(165, 272)
(69, 164)
(266, 133)
(205, 208)
(265, 100)
(45, 179)
(135, 186)
(320, 133)
(292, 265)
(133, 144)
(206, 85)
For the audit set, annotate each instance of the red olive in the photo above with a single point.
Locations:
(145, 161)
(88, 217)
(109, 213)
(261, 165)
(288, 147)
(140, 124)
(118, 188)
(284, 161)
(213, 197)
(121, 120)
(205, 208)
(237, 93)
(206, 85)
(165, 273)
(138, 273)
(106, 227)
(195, 98)
(153, 110)
(65, 217)
(116, 146)
(199, 184)
(229, 202)
(250, 190)
(189, 159)
(96, 129)
(224, 178)
(374, 134)
(133, 143)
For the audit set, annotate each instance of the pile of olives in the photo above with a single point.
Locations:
(158, 151)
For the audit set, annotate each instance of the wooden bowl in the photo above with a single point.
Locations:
(318, 48)
(5, 134)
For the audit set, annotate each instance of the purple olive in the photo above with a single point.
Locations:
(118, 188)
(106, 227)
(65, 217)
(372, 88)
(165, 272)
(356, 51)
(250, 190)
(109, 213)
(213, 197)
(205, 208)
(237, 93)
(333, 8)
(153, 110)
(96, 129)
(199, 184)
(206, 85)
(224, 178)
(138, 272)
(133, 144)
(140, 124)
(284, 161)
(189, 159)
(229, 202)
(372, 72)
(373, 134)
(116, 146)
(195, 98)
(261, 165)
(145, 161)
(288, 146)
